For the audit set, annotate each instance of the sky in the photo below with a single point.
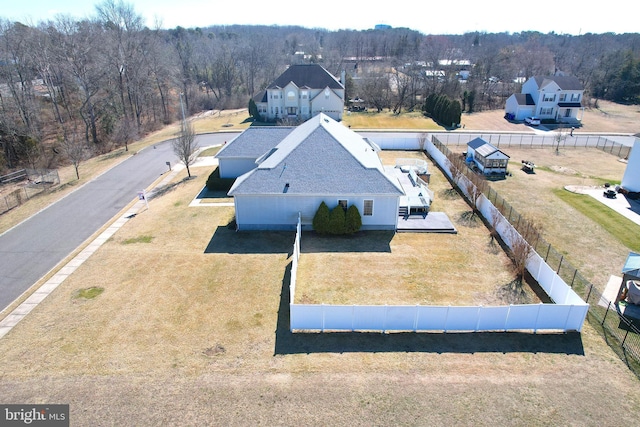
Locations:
(425, 16)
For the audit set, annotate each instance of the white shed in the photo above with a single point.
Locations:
(487, 158)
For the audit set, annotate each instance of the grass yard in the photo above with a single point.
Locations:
(191, 328)
(584, 242)
(380, 268)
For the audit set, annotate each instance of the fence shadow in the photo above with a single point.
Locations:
(362, 241)
(287, 342)
(226, 240)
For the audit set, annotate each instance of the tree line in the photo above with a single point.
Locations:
(70, 87)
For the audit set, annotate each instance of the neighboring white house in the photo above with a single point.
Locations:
(556, 98)
(488, 159)
(300, 93)
(631, 177)
(320, 160)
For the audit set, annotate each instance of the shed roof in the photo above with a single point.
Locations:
(483, 148)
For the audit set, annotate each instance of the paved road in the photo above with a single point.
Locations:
(31, 249)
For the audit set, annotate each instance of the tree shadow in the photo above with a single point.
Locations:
(287, 342)
(469, 219)
(362, 241)
(227, 240)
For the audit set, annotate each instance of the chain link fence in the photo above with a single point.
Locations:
(621, 333)
(29, 183)
(540, 141)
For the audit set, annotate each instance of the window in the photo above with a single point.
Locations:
(368, 208)
(291, 95)
(549, 98)
(563, 97)
(304, 94)
(343, 203)
(546, 111)
(575, 97)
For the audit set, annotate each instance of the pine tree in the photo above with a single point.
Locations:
(321, 219)
(337, 220)
(353, 220)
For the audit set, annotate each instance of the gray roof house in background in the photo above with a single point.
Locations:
(557, 98)
(320, 160)
(301, 92)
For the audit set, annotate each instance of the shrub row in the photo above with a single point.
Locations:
(337, 220)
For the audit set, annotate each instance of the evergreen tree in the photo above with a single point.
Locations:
(253, 109)
(337, 220)
(353, 220)
(321, 219)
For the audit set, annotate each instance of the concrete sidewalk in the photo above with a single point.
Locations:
(19, 313)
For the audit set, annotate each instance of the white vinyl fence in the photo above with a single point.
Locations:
(567, 314)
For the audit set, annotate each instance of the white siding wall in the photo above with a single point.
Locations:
(233, 168)
(332, 106)
(281, 212)
(631, 178)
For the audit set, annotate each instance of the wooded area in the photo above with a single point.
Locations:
(86, 86)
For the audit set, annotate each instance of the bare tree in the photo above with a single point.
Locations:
(523, 241)
(475, 185)
(184, 145)
(74, 148)
(559, 138)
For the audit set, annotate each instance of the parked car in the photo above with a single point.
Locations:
(532, 121)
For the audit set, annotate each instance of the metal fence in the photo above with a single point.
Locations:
(620, 333)
(32, 182)
(527, 140)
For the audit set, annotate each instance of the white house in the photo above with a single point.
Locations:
(631, 177)
(320, 160)
(300, 93)
(487, 158)
(556, 98)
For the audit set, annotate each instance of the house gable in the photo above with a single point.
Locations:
(319, 157)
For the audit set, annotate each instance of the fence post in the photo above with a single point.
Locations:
(548, 250)
(560, 264)
(575, 272)
(589, 293)
(605, 313)
(625, 336)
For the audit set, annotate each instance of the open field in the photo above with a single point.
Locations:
(192, 328)
(596, 253)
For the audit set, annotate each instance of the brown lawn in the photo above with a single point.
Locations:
(192, 329)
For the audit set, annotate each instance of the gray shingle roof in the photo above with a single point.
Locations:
(320, 157)
(524, 99)
(564, 82)
(309, 75)
(483, 148)
(254, 142)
